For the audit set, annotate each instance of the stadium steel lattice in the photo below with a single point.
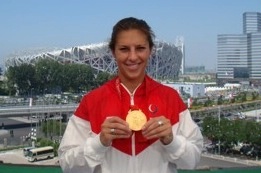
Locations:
(165, 62)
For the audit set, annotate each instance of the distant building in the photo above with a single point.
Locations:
(239, 55)
(190, 89)
(195, 69)
(180, 44)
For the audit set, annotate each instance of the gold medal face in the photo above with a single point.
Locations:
(136, 119)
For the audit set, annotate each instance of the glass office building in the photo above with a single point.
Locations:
(232, 54)
(255, 55)
(239, 55)
(251, 22)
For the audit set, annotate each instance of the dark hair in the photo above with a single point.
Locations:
(131, 23)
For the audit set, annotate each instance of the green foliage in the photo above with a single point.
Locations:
(208, 103)
(220, 100)
(3, 91)
(12, 78)
(239, 130)
(79, 77)
(24, 78)
(253, 132)
(53, 127)
(232, 131)
(210, 128)
(50, 76)
(102, 77)
(255, 95)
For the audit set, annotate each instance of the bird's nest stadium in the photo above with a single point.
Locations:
(165, 62)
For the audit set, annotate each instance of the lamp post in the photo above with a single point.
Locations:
(33, 130)
(30, 105)
(60, 122)
(219, 130)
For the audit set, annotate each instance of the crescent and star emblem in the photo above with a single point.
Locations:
(153, 108)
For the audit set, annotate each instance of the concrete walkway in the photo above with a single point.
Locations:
(233, 159)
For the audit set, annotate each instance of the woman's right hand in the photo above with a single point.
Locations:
(114, 128)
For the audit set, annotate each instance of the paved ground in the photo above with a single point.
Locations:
(20, 133)
(219, 161)
(207, 161)
(256, 114)
(16, 157)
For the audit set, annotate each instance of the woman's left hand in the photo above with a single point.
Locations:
(158, 127)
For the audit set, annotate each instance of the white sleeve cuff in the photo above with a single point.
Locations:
(94, 148)
(176, 147)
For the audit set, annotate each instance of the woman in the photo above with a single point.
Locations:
(131, 124)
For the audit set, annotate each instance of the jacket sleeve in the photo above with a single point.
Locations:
(80, 149)
(186, 147)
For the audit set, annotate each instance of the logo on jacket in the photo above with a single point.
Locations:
(153, 108)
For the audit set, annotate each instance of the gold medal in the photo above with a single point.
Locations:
(136, 119)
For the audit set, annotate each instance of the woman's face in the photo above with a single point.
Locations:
(132, 53)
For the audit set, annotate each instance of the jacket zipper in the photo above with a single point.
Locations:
(133, 135)
(133, 150)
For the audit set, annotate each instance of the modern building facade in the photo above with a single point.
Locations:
(165, 62)
(194, 90)
(251, 22)
(239, 55)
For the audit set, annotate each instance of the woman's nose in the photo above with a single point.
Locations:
(133, 54)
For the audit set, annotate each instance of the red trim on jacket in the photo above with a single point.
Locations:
(153, 98)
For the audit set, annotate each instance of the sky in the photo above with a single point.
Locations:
(33, 24)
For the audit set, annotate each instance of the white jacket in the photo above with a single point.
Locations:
(81, 151)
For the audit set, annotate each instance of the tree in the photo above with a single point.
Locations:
(220, 100)
(48, 75)
(79, 77)
(1, 83)
(253, 131)
(25, 80)
(210, 128)
(21, 79)
(102, 77)
(227, 131)
(239, 130)
(10, 75)
(208, 102)
(255, 95)
(232, 131)
(52, 127)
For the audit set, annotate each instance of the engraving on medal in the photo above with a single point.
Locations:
(136, 119)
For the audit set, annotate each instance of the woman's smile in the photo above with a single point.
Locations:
(133, 66)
